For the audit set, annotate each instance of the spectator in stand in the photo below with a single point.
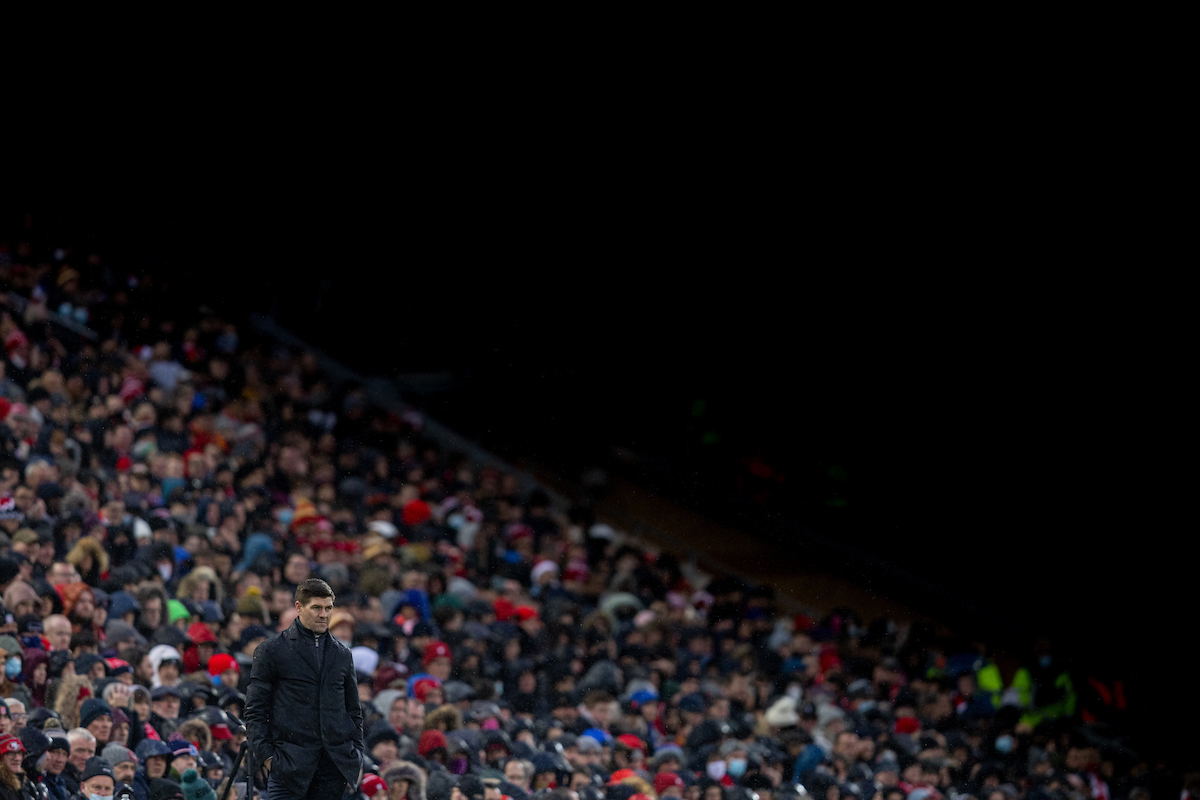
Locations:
(167, 481)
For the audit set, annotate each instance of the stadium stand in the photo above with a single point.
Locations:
(167, 478)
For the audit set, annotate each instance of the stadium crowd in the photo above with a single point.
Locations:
(165, 486)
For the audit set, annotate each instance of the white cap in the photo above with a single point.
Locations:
(385, 529)
(141, 528)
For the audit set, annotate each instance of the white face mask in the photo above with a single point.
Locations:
(716, 770)
(165, 571)
(94, 796)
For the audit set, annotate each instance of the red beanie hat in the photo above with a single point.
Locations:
(221, 662)
(620, 775)
(504, 609)
(435, 650)
(431, 740)
(632, 742)
(664, 780)
(416, 512)
(372, 784)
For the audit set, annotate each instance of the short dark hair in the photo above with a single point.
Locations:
(313, 587)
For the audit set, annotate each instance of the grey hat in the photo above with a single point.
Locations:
(117, 754)
(731, 746)
(587, 744)
(117, 631)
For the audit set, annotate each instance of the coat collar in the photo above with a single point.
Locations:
(292, 634)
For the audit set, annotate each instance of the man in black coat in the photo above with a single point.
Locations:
(303, 717)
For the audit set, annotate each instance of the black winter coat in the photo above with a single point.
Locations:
(293, 711)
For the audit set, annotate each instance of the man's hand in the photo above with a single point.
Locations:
(264, 770)
(120, 695)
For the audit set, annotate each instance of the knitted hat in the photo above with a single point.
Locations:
(181, 747)
(221, 662)
(431, 740)
(115, 754)
(195, 787)
(372, 784)
(93, 708)
(11, 744)
(97, 766)
(57, 740)
(381, 731)
(665, 780)
(435, 650)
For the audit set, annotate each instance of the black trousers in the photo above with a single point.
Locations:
(327, 783)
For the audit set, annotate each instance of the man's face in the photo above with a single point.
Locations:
(315, 613)
(58, 631)
(81, 752)
(56, 761)
(846, 745)
(84, 606)
(604, 713)
(142, 709)
(166, 707)
(152, 612)
(296, 571)
(398, 714)
(416, 715)
(23, 497)
(99, 785)
(101, 727)
(384, 752)
(182, 764)
(440, 668)
(61, 573)
(281, 599)
(125, 771)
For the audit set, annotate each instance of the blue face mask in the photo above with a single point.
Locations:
(12, 668)
(737, 767)
(1004, 744)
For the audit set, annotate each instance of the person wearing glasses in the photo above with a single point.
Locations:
(16, 715)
